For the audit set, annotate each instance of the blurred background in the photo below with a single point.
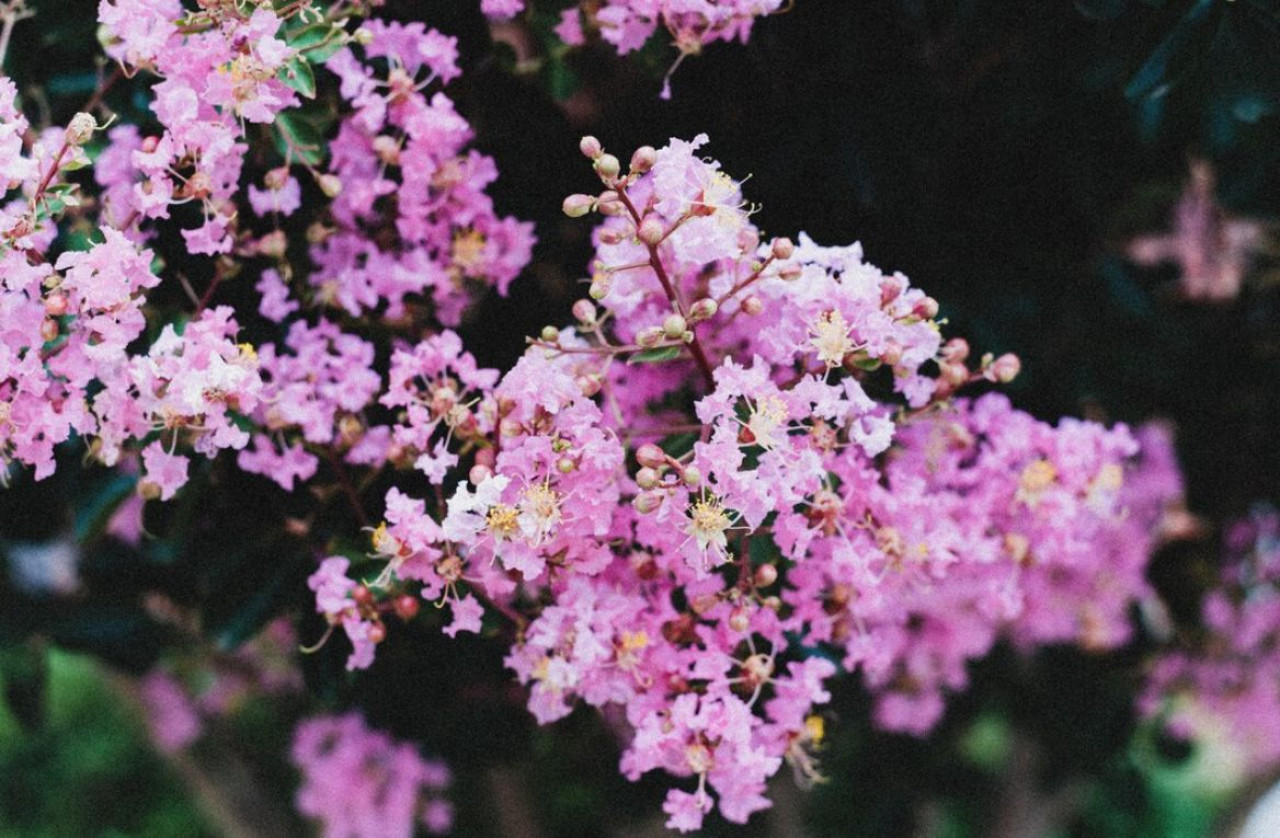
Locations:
(1094, 185)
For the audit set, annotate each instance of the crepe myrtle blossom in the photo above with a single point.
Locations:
(691, 507)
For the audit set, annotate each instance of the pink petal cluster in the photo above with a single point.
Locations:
(360, 783)
(1228, 677)
(412, 215)
(706, 591)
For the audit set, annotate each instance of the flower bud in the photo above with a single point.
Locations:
(892, 354)
(891, 288)
(956, 349)
(599, 288)
(510, 427)
(276, 178)
(48, 329)
(651, 456)
(955, 374)
(387, 149)
(765, 575)
(578, 205)
(789, 272)
(772, 603)
(80, 129)
(584, 311)
(647, 478)
(1006, 368)
(926, 309)
(740, 619)
(588, 385)
(752, 306)
(608, 167)
(651, 231)
(55, 305)
(406, 606)
(363, 36)
(486, 457)
(649, 337)
(642, 159)
(330, 185)
(590, 147)
(377, 633)
(479, 474)
(692, 475)
(362, 596)
(565, 465)
(782, 248)
(748, 240)
(674, 327)
(273, 245)
(647, 502)
(703, 309)
(613, 235)
(550, 334)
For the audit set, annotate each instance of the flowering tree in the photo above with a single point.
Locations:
(747, 470)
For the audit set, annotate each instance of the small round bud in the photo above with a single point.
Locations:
(740, 619)
(651, 231)
(692, 475)
(276, 178)
(48, 329)
(674, 327)
(782, 248)
(273, 245)
(956, 350)
(642, 159)
(486, 457)
(510, 428)
(377, 633)
(765, 575)
(80, 129)
(478, 474)
(649, 337)
(647, 478)
(330, 185)
(55, 305)
(599, 288)
(611, 207)
(613, 235)
(954, 374)
(1006, 368)
(578, 205)
(362, 596)
(589, 385)
(772, 603)
(703, 309)
(590, 147)
(748, 240)
(891, 288)
(550, 334)
(752, 306)
(647, 502)
(584, 311)
(363, 36)
(406, 607)
(926, 309)
(608, 167)
(150, 144)
(651, 456)
(892, 354)
(387, 149)
(789, 272)
(565, 465)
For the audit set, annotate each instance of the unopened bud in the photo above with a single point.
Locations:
(387, 149)
(590, 147)
(363, 36)
(55, 305)
(766, 575)
(584, 311)
(926, 309)
(740, 619)
(647, 478)
(273, 245)
(651, 456)
(647, 502)
(748, 240)
(643, 159)
(674, 327)
(406, 606)
(479, 474)
(377, 633)
(510, 427)
(783, 248)
(703, 309)
(550, 334)
(752, 306)
(48, 329)
(890, 289)
(565, 465)
(578, 205)
(588, 385)
(954, 374)
(892, 354)
(692, 475)
(1006, 368)
(789, 272)
(599, 288)
(613, 235)
(651, 231)
(608, 167)
(330, 185)
(649, 337)
(276, 178)
(80, 129)
(956, 349)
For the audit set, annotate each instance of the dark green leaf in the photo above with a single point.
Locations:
(653, 356)
(297, 137)
(94, 510)
(297, 74)
(24, 671)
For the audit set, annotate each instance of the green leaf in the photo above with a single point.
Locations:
(657, 355)
(94, 510)
(24, 672)
(297, 74)
(310, 36)
(298, 137)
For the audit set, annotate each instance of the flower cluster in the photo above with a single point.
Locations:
(629, 24)
(1227, 679)
(360, 783)
(740, 472)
